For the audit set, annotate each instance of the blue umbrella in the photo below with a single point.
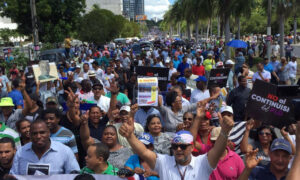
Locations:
(237, 44)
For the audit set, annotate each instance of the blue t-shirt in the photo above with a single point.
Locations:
(269, 67)
(176, 63)
(262, 172)
(17, 97)
(134, 162)
(181, 67)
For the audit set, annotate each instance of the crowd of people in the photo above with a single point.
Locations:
(88, 121)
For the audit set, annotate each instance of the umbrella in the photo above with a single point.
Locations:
(179, 43)
(237, 44)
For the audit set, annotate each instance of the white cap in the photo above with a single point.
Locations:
(168, 60)
(229, 62)
(226, 109)
(125, 108)
(78, 67)
(220, 63)
(79, 79)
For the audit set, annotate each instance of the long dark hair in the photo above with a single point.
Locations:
(256, 138)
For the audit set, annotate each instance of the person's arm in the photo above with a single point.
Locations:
(196, 123)
(294, 172)
(27, 100)
(114, 90)
(275, 75)
(286, 136)
(86, 139)
(216, 152)
(73, 112)
(245, 147)
(127, 131)
(250, 162)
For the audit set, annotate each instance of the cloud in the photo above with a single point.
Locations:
(156, 8)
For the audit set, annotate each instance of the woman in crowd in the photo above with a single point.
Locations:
(36, 108)
(201, 131)
(23, 128)
(118, 154)
(188, 118)
(138, 165)
(262, 141)
(283, 71)
(86, 90)
(162, 141)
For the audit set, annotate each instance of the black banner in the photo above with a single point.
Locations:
(162, 75)
(218, 77)
(271, 104)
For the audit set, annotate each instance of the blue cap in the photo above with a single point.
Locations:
(182, 80)
(201, 78)
(281, 144)
(146, 138)
(184, 137)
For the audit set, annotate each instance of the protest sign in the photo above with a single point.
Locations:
(72, 176)
(45, 71)
(269, 104)
(161, 74)
(218, 77)
(147, 91)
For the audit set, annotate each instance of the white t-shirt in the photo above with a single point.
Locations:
(99, 74)
(199, 168)
(292, 69)
(171, 71)
(198, 95)
(265, 74)
(103, 102)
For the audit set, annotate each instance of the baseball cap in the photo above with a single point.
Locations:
(168, 60)
(281, 144)
(201, 78)
(79, 79)
(209, 54)
(51, 99)
(6, 101)
(78, 66)
(184, 137)
(146, 138)
(229, 62)
(214, 134)
(226, 109)
(182, 80)
(125, 108)
(219, 63)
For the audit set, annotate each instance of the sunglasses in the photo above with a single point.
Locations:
(188, 119)
(264, 133)
(182, 146)
(97, 89)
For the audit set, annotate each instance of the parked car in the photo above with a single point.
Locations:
(53, 55)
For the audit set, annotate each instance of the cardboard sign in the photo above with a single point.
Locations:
(45, 71)
(147, 92)
(162, 75)
(268, 103)
(38, 169)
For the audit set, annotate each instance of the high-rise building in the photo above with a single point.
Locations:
(133, 8)
(115, 6)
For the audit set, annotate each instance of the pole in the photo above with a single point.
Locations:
(34, 28)
(269, 29)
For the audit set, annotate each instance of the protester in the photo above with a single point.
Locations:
(201, 92)
(143, 113)
(188, 119)
(23, 128)
(293, 70)
(261, 74)
(283, 71)
(43, 156)
(173, 167)
(7, 153)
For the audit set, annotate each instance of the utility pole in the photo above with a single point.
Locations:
(34, 28)
(269, 37)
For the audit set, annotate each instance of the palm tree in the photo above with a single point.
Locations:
(177, 13)
(283, 10)
(296, 12)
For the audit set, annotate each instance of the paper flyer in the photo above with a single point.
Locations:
(147, 91)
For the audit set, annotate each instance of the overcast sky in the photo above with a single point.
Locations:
(157, 8)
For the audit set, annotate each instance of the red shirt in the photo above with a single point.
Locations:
(204, 147)
(198, 70)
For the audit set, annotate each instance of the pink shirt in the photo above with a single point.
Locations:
(230, 168)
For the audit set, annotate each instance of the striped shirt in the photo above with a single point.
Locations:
(237, 134)
(8, 132)
(66, 137)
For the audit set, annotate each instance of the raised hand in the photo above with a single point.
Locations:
(226, 123)
(127, 128)
(180, 127)
(284, 133)
(133, 109)
(139, 170)
(249, 124)
(71, 97)
(84, 118)
(113, 87)
(251, 160)
(200, 111)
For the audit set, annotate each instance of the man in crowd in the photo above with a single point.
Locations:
(7, 153)
(43, 156)
(261, 73)
(201, 92)
(182, 165)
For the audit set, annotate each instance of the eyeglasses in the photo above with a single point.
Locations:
(188, 119)
(97, 89)
(182, 146)
(264, 133)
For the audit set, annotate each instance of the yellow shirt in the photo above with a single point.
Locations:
(208, 64)
(67, 43)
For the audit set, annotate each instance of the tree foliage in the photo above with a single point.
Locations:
(100, 26)
(56, 18)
